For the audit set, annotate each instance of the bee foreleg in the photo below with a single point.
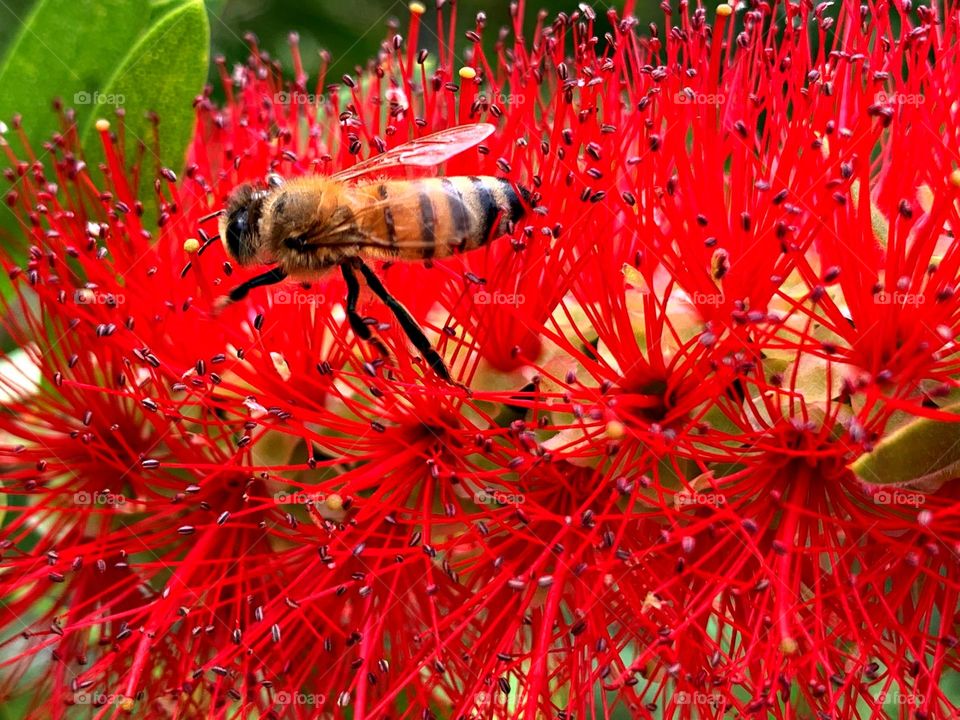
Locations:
(271, 277)
(409, 325)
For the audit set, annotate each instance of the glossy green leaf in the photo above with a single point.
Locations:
(162, 73)
(158, 8)
(66, 49)
(925, 452)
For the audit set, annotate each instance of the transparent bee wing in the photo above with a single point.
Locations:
(426, 151)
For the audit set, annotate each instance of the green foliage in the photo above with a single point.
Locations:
(99, 55)
(923, 451)
(161, 74)
(65, 49)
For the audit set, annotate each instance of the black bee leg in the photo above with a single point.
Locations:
(409, 325)
(271, 277)
(360, 328)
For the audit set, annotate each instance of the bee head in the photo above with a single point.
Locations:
(240, 224)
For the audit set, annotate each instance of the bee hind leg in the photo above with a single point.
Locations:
(359, 327)
(409, 325)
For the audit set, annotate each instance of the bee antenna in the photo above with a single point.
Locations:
(211, 216)
(207, 242)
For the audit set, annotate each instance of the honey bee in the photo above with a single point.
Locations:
(305, 226)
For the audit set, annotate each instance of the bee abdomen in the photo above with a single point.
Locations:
(469, 212)
(437, 217)
(497, 207)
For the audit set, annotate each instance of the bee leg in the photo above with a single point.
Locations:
(359, 327)
(409, 325)
(271, 277)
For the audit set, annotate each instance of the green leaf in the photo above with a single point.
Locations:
(158, 8)
(925, 452)
(162, 73)
(65, 48)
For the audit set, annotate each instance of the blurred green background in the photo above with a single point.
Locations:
(351, 31)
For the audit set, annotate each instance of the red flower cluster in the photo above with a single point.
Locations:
(740, 277)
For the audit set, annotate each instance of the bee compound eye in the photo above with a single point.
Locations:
(235, 229)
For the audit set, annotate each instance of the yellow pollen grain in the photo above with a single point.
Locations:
(724, 10)
(467, 73)
(334, 502)
(955, 178)
(102, 125)
(191, 245)
(616, 429)
(417, 8)
(127, 704)
(789, 646)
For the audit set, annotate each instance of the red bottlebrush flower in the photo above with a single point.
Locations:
(693, 473)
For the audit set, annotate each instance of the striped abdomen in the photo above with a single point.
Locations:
(436, 217)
